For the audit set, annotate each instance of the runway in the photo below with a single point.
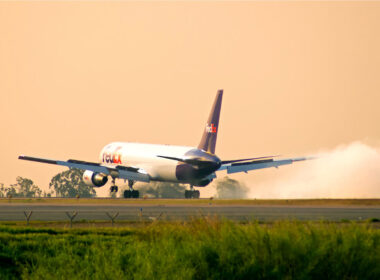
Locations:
(51, 212)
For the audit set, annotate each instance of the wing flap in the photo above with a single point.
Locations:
(85, 166)
(133, 175)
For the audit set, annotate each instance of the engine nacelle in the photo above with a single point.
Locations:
(94, 179)
(203, 183)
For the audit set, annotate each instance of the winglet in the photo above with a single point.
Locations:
(208, 141)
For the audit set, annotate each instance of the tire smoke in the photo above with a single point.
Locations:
(348, 171)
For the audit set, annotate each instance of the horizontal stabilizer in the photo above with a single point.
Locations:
(247, 159)
(259, 164)
(192, 161)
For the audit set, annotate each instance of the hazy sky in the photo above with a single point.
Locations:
(298, 77)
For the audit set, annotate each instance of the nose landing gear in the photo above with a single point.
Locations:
(113, 188)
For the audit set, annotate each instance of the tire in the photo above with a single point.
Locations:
(187, 194)
(127, 194)
(135, 194)
(112, 189)
(196, 194)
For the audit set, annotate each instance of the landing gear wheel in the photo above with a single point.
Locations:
(196, 194)
(127, 194)
(131, 194)
(192, 194)
(188, 194)
(135, 194)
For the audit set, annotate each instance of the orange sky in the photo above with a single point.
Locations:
(298, 77)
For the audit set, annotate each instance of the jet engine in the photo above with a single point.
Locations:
(203, 183)
(91, 178)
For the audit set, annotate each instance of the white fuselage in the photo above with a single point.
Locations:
(145, 156)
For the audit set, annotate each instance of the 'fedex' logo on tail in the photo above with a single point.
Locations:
(211, 128)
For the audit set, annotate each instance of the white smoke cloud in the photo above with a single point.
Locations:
(349, 171)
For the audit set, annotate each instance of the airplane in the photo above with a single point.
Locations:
(137, 162)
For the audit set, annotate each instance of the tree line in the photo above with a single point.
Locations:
(70, 184)
(65, 184)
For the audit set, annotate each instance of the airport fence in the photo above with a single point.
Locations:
(72, 217)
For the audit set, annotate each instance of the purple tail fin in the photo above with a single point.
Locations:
(210, 133)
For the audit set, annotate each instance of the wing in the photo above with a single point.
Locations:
(258, 163)
(119, 171)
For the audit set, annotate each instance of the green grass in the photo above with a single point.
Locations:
(284, 202)
(200, 249)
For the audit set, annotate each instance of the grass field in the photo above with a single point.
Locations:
(201, 249)
(290, 202)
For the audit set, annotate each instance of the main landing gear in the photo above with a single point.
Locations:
(192, 193)
(131, 193)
